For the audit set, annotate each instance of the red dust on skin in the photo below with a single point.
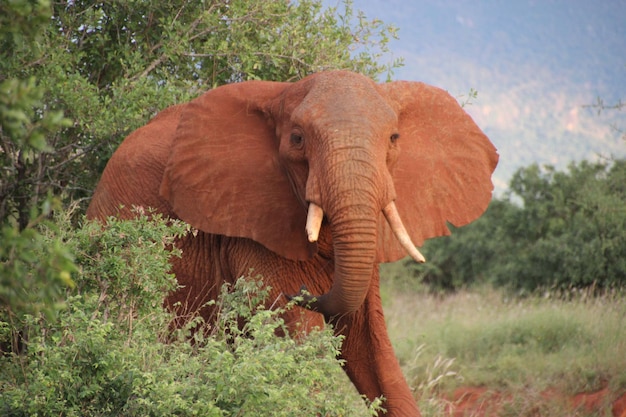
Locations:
(483, 402)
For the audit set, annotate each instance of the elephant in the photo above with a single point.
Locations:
(312, 184)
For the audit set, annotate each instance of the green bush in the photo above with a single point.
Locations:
(110, 350)
(572, 228)
(34, 270)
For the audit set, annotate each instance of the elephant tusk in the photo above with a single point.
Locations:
(314, 222)
(394, 220)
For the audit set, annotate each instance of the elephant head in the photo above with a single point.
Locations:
(383, 166)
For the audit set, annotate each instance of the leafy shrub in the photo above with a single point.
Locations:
(575, 227)
(110, 351)
(34, 270)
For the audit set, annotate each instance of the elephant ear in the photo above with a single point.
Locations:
(443, 171)
(223, 175)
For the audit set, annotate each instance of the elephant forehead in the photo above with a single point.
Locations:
(335, 104)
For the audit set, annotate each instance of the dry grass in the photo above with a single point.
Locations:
(481, 338)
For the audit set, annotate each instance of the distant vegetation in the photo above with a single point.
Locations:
(552, 231)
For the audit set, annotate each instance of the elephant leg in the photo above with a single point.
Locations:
(371, 362)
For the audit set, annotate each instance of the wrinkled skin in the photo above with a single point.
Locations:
(243, 162)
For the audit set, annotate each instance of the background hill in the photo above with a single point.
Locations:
(535, 65)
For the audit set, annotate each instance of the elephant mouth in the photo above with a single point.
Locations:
(315, 216)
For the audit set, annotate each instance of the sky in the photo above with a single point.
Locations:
(536, 66)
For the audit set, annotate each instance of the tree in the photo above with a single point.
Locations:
(574, 227)
(553, 230)
(33, 271)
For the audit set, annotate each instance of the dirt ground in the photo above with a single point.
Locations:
(481, 402)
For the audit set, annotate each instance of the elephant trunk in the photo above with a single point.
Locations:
(353, 208)
(354, 242)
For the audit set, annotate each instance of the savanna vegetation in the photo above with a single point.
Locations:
(529, 297)
(528, 356)
(554, 231)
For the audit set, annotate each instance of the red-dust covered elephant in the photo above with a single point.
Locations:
(311, 183)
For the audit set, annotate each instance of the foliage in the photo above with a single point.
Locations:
(33, 271)
(574, 227)
(25, 121)
(553, 230)
(109, 352)
(43, 265)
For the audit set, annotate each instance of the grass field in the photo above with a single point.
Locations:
(528, 351)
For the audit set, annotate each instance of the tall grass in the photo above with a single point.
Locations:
(487, 339)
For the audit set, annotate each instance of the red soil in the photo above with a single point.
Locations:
(481, 402)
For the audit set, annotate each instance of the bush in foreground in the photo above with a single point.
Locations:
(109, 351)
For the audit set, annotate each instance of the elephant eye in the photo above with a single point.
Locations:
(296, 140)
(393, 138)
